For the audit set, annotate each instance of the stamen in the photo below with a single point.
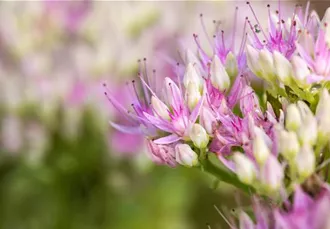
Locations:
(256, 18)
(145, 91)
(204, 30)
(243, 38)
(234, 32)
(147, 86)
(178, 77)
(201, 51)
(136, 92)
(154, 81)
(119, 107)
(223, 40)
(279, 12)
(255, 34)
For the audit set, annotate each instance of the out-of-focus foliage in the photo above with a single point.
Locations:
(78, 184)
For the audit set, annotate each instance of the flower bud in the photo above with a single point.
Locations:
(283, 68)
(304, 110)
(272, 174)
(267, 65)
(231, 65)
(260, 148)
(252, 56)
(288, 144)
(245, 168)
(300, 70)
(191, 75)
(219, 76)
(293, 117)
(160, 108)
(193, 95)
(323, 114)
(307, 132)
(207, 119)
(199, 136)
(184, 155)
(305, 162)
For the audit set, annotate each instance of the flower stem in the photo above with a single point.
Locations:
(225, 176)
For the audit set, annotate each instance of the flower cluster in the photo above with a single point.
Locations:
(268, 145)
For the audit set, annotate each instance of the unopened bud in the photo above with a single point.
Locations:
(323, 115)
(219, 76)
(288, 144)
(199, 136)
(267, 65)
(191, 75)
(293, 117)
(252, 56)
(307, 132)
(260, 148)
(207, 119)
(305, 162)
(304, 110)
(272, 174)
(283, 68)
(184, 155)
(300, 70)
(160, 108)
(193, 95)
(231, 65)
(245, 168)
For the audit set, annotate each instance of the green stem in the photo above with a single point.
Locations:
(225, 176)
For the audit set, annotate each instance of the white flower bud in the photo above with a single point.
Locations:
(323, 114)
(231, 65)
(193, 95)
(260, 148)
(184, 155)
(304, 110)
(207, 119)
(267, 65)
(245, 168)
(293, 117)
(288, 144)
(307, 132)
(252, 56)
(283, 68)
(160, 108)
(271, 175)
(219, 76)
(300, 70)
(305, 162)
(191, 75)
(199, 136)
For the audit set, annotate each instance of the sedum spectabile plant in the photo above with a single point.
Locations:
(274, 145)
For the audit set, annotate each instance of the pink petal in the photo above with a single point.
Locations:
(167, 140)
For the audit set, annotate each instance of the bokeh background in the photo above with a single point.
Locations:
(61, 164)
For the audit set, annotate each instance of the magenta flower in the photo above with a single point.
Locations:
(153, 115)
